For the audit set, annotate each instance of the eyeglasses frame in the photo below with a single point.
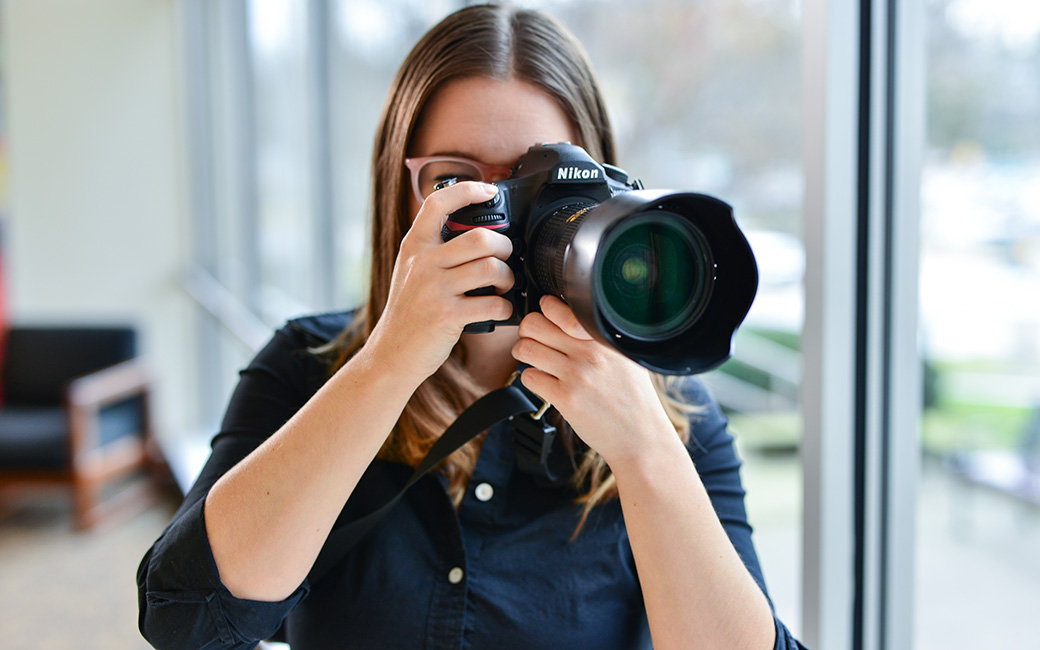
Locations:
(487, 171)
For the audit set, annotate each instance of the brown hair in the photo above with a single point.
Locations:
(495, 42)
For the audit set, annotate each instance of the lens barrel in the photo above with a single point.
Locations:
(665, 277)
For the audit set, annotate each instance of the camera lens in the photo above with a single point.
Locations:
(654, 276)
(664, 277)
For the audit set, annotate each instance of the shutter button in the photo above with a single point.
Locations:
(455, 576)
(484, 492)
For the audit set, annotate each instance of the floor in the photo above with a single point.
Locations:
(977, 557)
(978, 566)
(60, 589)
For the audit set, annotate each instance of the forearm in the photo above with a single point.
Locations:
(696, 589)
(268, 517)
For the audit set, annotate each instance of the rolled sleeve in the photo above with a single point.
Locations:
(181, 599)
(185, 605)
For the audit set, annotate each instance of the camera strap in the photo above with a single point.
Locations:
(534, 441)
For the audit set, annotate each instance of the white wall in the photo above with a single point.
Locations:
(97, 215)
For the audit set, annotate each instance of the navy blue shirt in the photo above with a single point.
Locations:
(502, 571)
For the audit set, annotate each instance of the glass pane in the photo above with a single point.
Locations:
(225, 141)
(705, 97)
(282, 93)
(979, 501)
(370, 39)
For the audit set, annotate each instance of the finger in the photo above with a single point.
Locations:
(543, 357)
(437, 206)
(475, 244)
(563, 317)
(476, 309)
(541, 384)
(536, 326)
(485, 272)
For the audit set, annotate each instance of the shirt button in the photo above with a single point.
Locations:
(455, 576)
(484, 492)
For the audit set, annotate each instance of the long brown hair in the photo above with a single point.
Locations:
(495, 42)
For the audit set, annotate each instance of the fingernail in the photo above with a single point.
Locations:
(490, 189)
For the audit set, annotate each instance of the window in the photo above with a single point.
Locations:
(978, 528)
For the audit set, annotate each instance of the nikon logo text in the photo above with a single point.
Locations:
(576, 173)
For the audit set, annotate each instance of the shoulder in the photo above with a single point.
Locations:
(293, 356)
(315, 330)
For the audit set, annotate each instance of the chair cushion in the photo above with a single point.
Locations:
(37, 437)
(33, 438)
(40, 361)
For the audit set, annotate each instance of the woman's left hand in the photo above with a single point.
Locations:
(606, 397)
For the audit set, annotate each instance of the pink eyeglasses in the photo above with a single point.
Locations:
(427, 171)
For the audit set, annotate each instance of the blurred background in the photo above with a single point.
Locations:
(198, 171)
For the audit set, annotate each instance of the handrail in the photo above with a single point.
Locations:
(237, 318)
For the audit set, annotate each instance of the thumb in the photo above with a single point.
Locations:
(437, 206)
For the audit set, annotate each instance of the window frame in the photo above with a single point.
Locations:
(864, 136)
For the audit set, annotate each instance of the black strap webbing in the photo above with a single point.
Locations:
(497, 406)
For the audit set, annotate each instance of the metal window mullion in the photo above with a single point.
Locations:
(830, 60)
(323, 276)
(905, 147)
(244, 141)
(198, 41)
(893, 373)
(874, 319)
(864, 113)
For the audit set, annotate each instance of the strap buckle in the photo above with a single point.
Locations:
(534, 438)
(514, 380)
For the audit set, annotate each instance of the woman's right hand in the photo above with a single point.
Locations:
(427, 307)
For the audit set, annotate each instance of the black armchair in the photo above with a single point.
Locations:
(76, 413)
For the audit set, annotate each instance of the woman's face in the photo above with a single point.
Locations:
(493, 122)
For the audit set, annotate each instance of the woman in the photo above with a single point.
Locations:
(642, 544)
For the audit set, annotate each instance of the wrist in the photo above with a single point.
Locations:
(661, 448)
(383, 372)
(387, 360)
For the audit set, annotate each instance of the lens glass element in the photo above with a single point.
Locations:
(654, 276)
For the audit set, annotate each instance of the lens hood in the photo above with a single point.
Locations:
(703, 337)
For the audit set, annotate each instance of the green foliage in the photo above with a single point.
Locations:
(767, 433)
(964, 427)
(787, 338)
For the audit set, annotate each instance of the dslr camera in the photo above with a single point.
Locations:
(665, 277)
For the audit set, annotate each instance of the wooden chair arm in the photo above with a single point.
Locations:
(85, 397)
(110, 385)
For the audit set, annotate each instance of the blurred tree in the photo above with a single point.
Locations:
(704, 94)
(983, 91)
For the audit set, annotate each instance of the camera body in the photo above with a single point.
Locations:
(551, 182)
(665, 277)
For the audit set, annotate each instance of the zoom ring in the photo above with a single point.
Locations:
(550, 246)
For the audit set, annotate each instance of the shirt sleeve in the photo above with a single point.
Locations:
(181, 599)
(715, 457)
